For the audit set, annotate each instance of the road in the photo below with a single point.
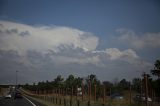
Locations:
(19, 102)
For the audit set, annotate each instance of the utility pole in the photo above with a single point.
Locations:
(146, 88)
(16, 78)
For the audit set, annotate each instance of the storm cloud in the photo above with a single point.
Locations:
(43, 52)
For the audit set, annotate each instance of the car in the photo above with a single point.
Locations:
(8, 96)
(141, 98)
(117, 96)
(18, 95)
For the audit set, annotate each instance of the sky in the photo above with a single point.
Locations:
(112, 39)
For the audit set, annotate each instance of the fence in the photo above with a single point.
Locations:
(62, 99)
(72, 97)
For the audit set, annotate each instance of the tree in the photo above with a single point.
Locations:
(94, 81)
(156, 70)
(70, 81)
(78, 81)
(58, 82)
(107, 84)
(41, 85)
(123, 84)
(137, 84)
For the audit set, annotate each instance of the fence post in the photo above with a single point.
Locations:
(88, 103)
(104, 95)
(58, 92)
(71, 96)
(77, 92)
(60, 101)
(77, 102)
(64, 102)
(53, 99)
(70, 102)
(66, 92)
(130, 93)
(56, 100)
(82, 91)
(89, 90)
(95, 93)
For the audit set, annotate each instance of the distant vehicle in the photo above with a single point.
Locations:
(17, 95)
(141, 98)
(79, 93)
(117, 96)
(8, 96)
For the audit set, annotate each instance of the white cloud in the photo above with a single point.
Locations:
(139, 41)
(115, 53)
(22, 37)
(64, 60)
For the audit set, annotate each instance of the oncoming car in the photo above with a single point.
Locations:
(17, 95)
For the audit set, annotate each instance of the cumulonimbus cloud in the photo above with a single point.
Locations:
(22, 37)
(63, 41)
(55, 49)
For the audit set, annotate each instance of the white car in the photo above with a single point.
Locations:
(8, 96)
(142, 98)
(148, 99)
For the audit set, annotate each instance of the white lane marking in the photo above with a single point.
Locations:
(29, 101)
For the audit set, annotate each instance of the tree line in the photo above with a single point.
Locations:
(73, 82)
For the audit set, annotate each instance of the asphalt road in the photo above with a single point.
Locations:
(19, 102)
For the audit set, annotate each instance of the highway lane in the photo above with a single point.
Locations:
(19, 102)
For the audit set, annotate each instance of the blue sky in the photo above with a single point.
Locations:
(129, 28)
(93, 16)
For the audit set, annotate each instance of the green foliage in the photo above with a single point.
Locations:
(58, 82)
(70, 81)
(123, 84)
(120, 86)
(94, 82)
(136, 84)
(157, 64)
(73, 82)
(156, 70)
(156, 87)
